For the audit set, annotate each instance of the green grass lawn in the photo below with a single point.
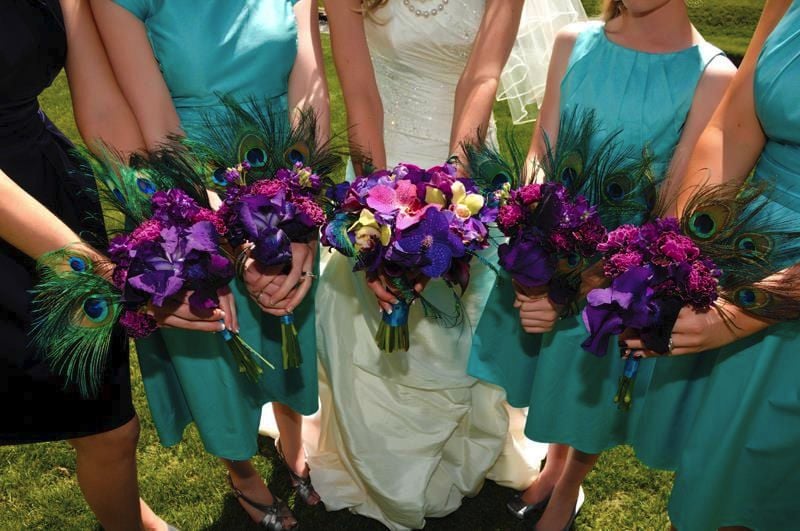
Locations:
(187, 486)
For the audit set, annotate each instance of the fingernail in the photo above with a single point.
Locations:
(639, 354)
(389, 311)
(237, 330)
(221, 327)
(624, 352)
(395, 301)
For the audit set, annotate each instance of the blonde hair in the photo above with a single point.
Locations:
(612, 9)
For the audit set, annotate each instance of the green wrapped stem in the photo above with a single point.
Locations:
(290, 345)
(393, 335)
(624, 396)
(245, 356)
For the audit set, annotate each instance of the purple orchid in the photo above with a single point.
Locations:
(627, 303)
(432, 239)
(400, 202)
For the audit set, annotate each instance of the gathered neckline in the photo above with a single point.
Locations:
(634, 50)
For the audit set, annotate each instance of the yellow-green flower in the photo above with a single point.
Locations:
(367, 229)
(464, 204)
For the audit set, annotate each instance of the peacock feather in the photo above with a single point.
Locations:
(489, 169)
(126, 190)
(734, 226)
(616, 179)
(263, 137)
(75, 310)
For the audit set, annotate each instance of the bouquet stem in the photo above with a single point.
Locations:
(246, 357)
(290, 346)
(624, 395)
(392, 333)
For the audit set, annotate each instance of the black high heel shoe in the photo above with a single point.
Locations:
(301, 485)
(274, 515)
(522, 510)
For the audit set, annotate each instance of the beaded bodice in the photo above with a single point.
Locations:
(418, 61)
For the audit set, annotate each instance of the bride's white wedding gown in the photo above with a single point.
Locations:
(407, 435)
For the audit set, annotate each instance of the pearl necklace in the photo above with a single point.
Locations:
(426, 12)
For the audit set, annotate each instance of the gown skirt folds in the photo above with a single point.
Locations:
(570, 391)
(244, 49)
(407, 435)
(741, 462)
(36, 404)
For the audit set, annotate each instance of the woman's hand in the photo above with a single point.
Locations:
(701, 331)
(537, 313)
(177, 313)
(227, 303)
(384, 294)
(279, 293)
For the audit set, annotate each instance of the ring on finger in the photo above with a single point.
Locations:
(307, 274)
(669, 346)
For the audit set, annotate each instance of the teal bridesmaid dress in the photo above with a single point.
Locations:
(646, 97)
(246, 49)
(741, 464)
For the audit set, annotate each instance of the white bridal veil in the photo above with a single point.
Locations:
(523, 79)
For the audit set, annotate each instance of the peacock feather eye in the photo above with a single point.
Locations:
(615, 191)
(253, 150)
(96, 309)
(219, 177)
(297, 153)
(496, 172)
(256, 157)
(569, 263)
(118, 195)
(754, 244)
(568, 175)
(77, 264)
(146, 186)
(702, 225)
(573, 259)
(751, 299)
(572, 168)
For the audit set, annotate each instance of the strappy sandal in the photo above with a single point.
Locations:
(274, 515)
(301, 485)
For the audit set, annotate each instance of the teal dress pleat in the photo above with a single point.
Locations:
(245, 49)
(741, 463)
(646, 97)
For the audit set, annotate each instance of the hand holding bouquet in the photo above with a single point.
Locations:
(407, 226)
(170, 250)
(654, 271)
(267, 217)
(551, 237)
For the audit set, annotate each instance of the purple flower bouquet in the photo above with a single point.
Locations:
(654, 270)
(176, 250)
(551, 238)
(269, 215)
(406, 225)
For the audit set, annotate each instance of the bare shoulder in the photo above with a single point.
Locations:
(566, 36)
(716, 78)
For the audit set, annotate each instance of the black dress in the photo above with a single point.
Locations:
(35, 404)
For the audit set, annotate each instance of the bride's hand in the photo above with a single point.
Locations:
(386, 299)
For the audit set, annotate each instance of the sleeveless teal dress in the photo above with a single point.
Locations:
(741, 463)
(569, 391)
(246, 49)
